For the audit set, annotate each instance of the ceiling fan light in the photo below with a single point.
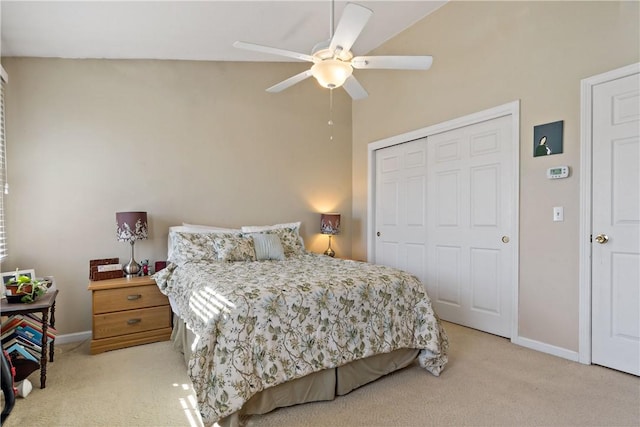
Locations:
(331, 73)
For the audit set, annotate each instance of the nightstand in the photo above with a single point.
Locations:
(128, 312)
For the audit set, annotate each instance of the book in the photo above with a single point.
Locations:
(10, 341)
(36, 323)
(29, 334)
(7, 332)
(18, 351)
(11, 323)
(29, 344)
(33, 352)
(31, 331)
(6, 339)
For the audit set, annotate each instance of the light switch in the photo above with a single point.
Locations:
(558, 213)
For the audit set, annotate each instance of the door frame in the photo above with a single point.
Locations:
(586, 147)
(511, 109)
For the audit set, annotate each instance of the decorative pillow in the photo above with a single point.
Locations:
(233, 247)
(179, 235)
(267, 246)
(184, 247)
(289, 234)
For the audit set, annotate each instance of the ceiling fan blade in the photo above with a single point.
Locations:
(289, 82)
(393, 62)
(354, 88)
(273, 51)
(354, 18)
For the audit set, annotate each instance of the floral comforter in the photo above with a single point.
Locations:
(260, 324)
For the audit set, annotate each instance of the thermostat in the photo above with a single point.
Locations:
(558, 172)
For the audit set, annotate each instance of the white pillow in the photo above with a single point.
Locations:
(268, 246)
(198, 228)
(259, 228)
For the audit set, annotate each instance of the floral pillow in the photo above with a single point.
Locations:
(289, 234)
(290, 240)
(233, 247)
(187, 247)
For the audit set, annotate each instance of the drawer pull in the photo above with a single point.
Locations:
(134, 297)
(133, 321)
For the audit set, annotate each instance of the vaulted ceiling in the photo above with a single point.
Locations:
(189, 30)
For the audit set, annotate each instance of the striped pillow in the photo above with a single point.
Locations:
(268, 246)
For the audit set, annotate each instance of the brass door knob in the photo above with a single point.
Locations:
(602, 238)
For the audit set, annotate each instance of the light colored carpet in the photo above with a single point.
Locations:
(488, 382)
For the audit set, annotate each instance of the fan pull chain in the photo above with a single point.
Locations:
(330, 122)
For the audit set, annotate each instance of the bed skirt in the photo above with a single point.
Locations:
(319, 386)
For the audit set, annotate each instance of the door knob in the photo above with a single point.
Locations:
(602, 238)
(378, 234)
(505, 239)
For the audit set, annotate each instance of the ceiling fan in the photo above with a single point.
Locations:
(333, 61)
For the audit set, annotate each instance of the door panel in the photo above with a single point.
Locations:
(468, 198)
(484, 280)
(401, 200)
(615, 265)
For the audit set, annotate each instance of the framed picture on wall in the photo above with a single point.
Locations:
(547, 139)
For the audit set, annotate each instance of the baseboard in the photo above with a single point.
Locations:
(75, 337)
(546, 348)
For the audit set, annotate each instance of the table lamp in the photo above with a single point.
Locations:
(131, 226)
(330, 224)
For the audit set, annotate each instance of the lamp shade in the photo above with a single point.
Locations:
(330, 223)
(131, 226)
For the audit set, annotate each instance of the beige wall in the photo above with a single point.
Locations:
(186, 141)
(487, 54)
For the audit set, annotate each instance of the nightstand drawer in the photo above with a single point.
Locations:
(131, 321)
(110, 300)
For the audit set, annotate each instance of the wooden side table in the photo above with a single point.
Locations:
(46, 305)
(127, 312)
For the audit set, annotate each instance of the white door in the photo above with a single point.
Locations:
(615, 264)
(470, 198)
(400, 207)
(443, 211)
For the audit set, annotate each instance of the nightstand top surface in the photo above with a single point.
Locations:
(121, 282)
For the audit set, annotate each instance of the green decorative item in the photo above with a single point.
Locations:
(24, 289)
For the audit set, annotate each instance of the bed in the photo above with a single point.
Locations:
(264, 324)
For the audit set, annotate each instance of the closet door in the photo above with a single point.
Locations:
(401, 207)
(469, 203)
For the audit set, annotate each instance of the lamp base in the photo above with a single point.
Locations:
(330, 252)
(132, 268)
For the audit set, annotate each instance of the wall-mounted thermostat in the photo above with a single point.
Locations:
(558, 172)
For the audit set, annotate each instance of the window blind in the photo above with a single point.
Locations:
(3, 175)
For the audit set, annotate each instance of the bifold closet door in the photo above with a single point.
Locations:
(443, 212)
(469, 226)
(401, 207)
